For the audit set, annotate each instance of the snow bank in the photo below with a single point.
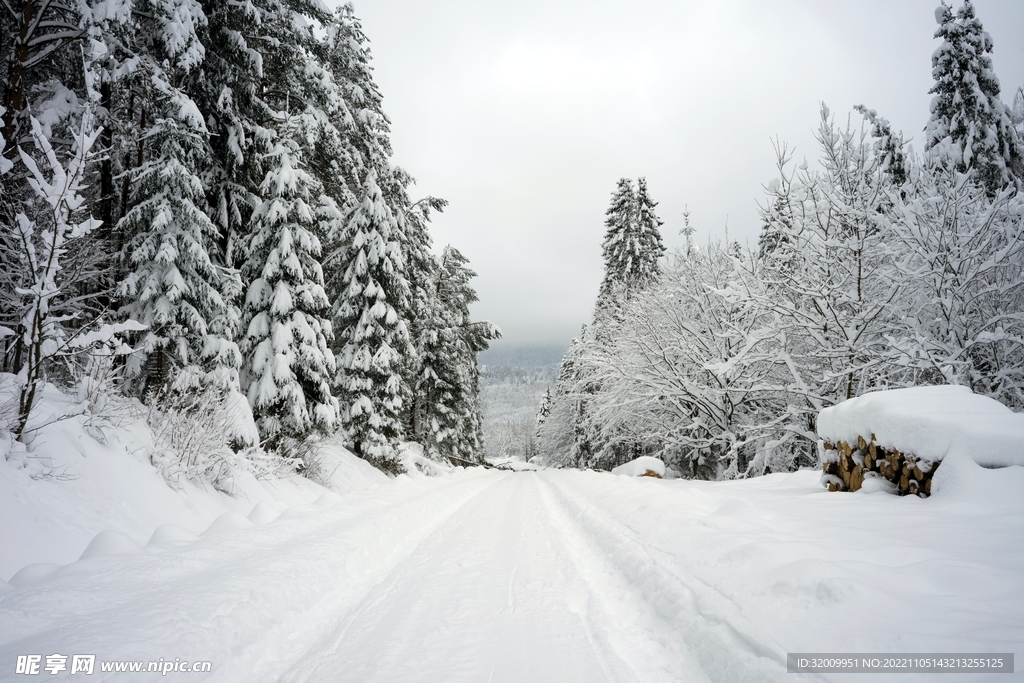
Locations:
(645, 465)
(86, 485)
(419, 465)
(932, 423)
(515, 464)
(343, 472)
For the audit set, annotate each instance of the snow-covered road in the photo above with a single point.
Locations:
(542, 576)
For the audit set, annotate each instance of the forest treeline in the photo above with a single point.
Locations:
(880, 268)
(198, 198)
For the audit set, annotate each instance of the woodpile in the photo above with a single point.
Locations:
(846, 467)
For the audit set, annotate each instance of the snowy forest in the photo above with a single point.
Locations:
(878, 266)
(199, 211)
(254, 426)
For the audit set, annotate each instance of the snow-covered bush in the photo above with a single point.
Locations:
(686, 372)
(960, 258)
(206, 435)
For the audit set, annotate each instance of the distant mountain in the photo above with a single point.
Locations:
(521, 365)
(522, 356)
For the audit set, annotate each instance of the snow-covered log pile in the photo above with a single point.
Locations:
(903, 435)
(846, 467)
(644, 466)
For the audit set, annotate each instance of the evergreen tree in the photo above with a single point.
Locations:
(968, 119)
(1017, 117)
(289, 365)
(449, 378)
(373, 340)
(632, 243)
(888, 145)
(567, 435)
(649, 237)
(777, 223)
(346, 55)
(620, 247)
(545, 410)
(174, 288)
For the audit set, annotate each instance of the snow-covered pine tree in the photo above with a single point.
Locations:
(632, 250)
(1017, 118)
(776, 224)
(967, 116)
(567, 436)
(447, 384)
(173, 286)
(648, 226)
(632, 243)
(621, 245)
(346, 54)
(288, 362)
(888, 145)
(228, 91)
(424, 309)
(545, 410)
(372, 339)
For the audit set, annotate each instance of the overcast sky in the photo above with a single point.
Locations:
(523, 114)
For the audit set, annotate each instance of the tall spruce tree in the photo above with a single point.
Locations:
(289, 365)
(652, 249)
(967, 115)
(620, 247)
(186, 299)
(373, 339)
(632, 244)
(447, 383)
(174, 288)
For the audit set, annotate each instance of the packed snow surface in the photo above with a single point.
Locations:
(487, 575)
(932, 423)
(638, 467)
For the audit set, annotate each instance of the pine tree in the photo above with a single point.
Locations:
(174, 288)
(1017, 117)
(347, 57)
(567, 436)
(652, 249)
(373, 340)
(185, 298)
(888, 145)
(777, 223)
(968, 119)
(448, 380)
(632, 245)
(289, 365)
(620, 247)
(545, 410)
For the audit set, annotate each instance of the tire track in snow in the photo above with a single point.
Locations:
(484, 598)
(246, 600)
(683, 614)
